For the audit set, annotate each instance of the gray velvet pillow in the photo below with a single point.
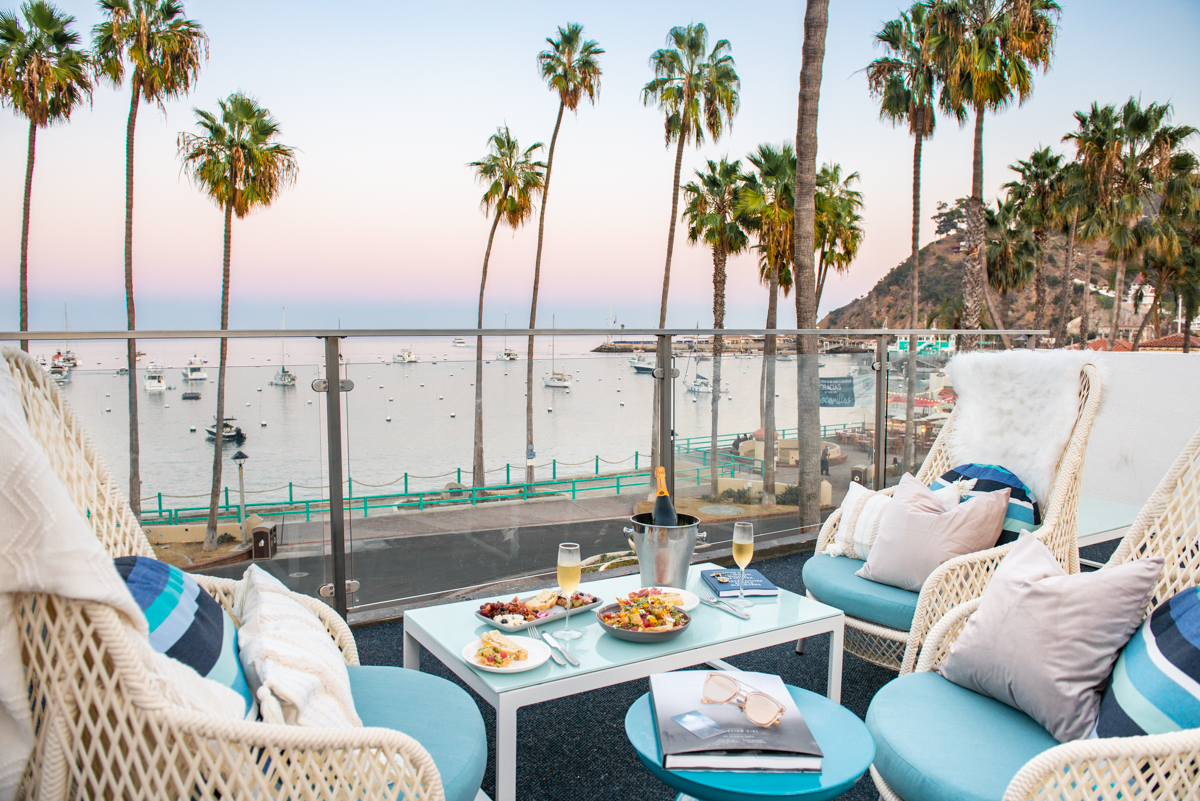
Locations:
(1044, 642)
(916, 535)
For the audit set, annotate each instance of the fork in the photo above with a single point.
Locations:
(709, 598)
(554, 654)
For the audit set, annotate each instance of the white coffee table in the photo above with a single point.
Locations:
(605, 660)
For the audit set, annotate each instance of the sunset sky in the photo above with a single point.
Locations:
(388, 102)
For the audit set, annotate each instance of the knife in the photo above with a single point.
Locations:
(725, 608)
(553, 643)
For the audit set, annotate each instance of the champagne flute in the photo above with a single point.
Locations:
(568, 581)
(743, 552)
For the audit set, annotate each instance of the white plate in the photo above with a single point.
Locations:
(690, 599)
(539, 652)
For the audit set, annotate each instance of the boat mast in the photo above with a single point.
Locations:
(552, 345)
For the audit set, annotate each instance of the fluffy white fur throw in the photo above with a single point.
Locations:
(1016, 409)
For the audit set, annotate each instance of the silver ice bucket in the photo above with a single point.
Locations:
(664, 552)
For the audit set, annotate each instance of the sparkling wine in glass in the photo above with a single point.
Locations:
(743, 552)
(568, 581)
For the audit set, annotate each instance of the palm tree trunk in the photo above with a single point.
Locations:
(1118, 292)
(822, 272)
(537, 278)
(975, 280)
(1085, 322)
(1068, 286)
(1001, 328)
(719, 259)
(477, 476)
(1187, 330)
(135, 469)
(214, 498)
(25, 233)
(914, 316)
(1005, 306)
(1158, 290)
(768, 499)
(808, 394)
(1039, 285)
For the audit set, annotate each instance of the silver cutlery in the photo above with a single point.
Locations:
(553, 643)
(708, 599)
(553, 654)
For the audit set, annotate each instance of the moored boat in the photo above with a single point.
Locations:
(406, 356)
(643, 364)
(195, 370)
(228, 431)
(154, 377)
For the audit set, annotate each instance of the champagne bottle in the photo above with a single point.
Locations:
(664, 510)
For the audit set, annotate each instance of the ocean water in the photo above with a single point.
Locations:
(607, 413)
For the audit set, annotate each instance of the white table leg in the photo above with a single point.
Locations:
(837, 639)
(412, 652)
(506, 751)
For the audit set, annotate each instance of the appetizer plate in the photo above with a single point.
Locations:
(555, 613)
(641, 636)
(539, 652)
(690, 599)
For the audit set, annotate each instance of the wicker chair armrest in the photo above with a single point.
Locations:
(1150, 766)
(943, 634)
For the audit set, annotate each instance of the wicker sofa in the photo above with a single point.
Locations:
(936, 740)
(103, 730)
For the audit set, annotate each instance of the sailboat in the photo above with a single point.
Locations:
(284, 378)
(555, 379)
(508, 354)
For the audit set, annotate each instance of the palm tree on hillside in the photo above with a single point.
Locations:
(43, 77)
(513, 180)
(768, 205)
(711, 210)
(905, 82)
(1011, 253)
(697, 89)
(237, 160)
(163, 51)
(1038, 194)
(989, 50)
(570, 67)
(839, 232)
(1071, 207)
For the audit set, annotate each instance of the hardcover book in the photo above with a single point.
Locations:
(756, 583)
(729, 741)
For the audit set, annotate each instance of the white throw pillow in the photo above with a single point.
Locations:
(292, 665)
(862, 510)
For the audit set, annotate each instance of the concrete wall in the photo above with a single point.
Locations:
(1149, 409)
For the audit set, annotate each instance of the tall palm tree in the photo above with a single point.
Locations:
(570, 67)
(989, 50)
(163, 51)
(1071, 207)
(1010, 249)
(697, 89)
(711, 210)
(237, 160)
(1038, 194)
(808, 389)
(839, 232)
(768, 203)
(43, 77)
(513, 180)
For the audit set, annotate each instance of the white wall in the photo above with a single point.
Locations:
(1149, 409)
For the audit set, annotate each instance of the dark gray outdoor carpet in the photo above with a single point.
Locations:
(574, 749)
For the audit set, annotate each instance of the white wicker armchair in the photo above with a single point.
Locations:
(1151, 766)
(964, 577)
(103, 729)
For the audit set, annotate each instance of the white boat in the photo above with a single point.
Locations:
(643, 364)
(507, 355)
(557, 379)
(285, 377)
(195, 370)
(406, 356)
(459, 342)
(228, 431)
(154, 377)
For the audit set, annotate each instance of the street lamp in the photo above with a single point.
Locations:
(240, 458)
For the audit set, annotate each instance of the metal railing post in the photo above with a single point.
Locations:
(665, 372)
(406, 483)
(881, 355)
(333, 427)
(554, 469)
(290, 498)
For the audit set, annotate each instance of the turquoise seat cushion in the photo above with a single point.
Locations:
(936, 741)
(438, 714)
(832, 581)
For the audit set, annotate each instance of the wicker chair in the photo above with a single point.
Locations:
(1150, 766)
(964, 577)
(102, 728)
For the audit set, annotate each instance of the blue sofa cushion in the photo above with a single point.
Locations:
(936, 741)
(1023, 509)
(438, 714)
(832, 581)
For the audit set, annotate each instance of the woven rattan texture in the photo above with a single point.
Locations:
(104, 730)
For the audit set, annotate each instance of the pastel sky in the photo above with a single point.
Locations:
(388, 102)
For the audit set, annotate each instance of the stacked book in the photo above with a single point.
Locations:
(693, 735)
(725, 582)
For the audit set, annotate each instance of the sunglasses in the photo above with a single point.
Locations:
(759, 708)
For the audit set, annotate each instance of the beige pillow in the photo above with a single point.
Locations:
(1045, 642)
(862, 511)
(916, 535)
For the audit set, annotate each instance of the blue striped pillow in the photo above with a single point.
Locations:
(1023, 510)
(186, 623)
(1155, 685)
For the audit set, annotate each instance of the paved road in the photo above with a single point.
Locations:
(414, 565)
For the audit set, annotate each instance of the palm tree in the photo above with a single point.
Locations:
(570, 67)
(988, 49)
(1010, 249)
(768, 203)
(237, 161)
(164, 51)
(808, 389)
(513, 180)
(1071, 207)
(43, 76)
(839, 232)
(711, 212)
(1038, 194)
(697, 89)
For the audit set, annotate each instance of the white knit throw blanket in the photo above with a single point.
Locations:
(47, 546)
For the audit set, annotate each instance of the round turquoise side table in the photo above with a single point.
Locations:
(844, 739)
